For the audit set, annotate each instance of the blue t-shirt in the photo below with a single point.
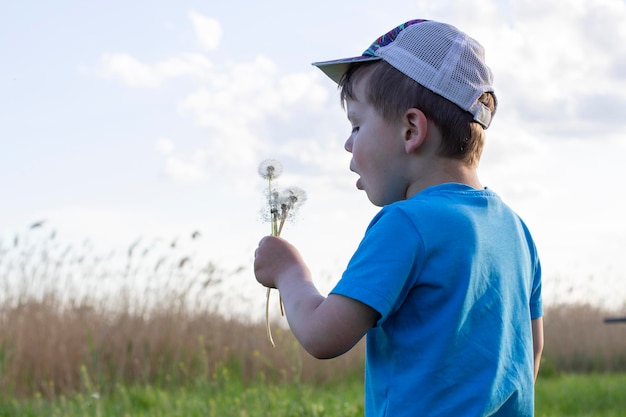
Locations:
(455, 276)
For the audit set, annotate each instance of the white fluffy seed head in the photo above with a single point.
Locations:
(270, 169)
(293, 196)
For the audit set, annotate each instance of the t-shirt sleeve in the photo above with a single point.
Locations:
(385, 266)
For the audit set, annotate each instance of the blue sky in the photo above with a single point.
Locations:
(127, 119)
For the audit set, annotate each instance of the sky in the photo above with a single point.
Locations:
(148, 119)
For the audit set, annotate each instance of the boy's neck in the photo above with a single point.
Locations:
(446, 170)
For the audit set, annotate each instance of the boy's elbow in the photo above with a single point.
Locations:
(322, 355)
(324, 347)
(321, 350)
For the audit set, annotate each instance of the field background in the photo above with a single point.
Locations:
(82, 334)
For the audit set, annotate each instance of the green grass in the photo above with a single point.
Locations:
(570, 395)
(582, 395)
(223, 396)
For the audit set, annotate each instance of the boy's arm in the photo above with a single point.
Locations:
(537, 327)
(325, 326)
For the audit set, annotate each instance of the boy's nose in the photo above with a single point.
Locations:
(348, 145)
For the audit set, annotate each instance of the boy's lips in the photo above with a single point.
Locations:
(359, 184)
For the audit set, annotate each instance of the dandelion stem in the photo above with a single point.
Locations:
(267, 317)
(282, 223)
(275, 232)
(280, 229)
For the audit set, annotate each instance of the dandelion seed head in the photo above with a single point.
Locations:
(270, 169)
(293, 196)
(290, 199)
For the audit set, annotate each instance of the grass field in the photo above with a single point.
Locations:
(224, 396)
(581, 395)
(85, 335)
(563, 396)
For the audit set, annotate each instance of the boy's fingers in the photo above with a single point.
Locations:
(256, 252)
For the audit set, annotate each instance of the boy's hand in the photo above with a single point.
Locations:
(274, 259)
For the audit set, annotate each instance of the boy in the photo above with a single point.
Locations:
(446, 282)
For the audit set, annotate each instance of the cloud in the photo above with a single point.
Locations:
(128, 69)
(246, 108)
(208, 30)
(554, 72)
(133, 72)
(249, 109)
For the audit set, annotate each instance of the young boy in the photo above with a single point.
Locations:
(446, 283)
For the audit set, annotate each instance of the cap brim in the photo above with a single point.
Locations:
(336, 68)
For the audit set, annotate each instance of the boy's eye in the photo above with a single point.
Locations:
(355, 129)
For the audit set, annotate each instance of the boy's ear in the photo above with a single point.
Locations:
(415, 129)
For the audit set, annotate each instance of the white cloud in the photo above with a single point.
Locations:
(208, 30)
(129, 69)
(555, 58)
(249, 110)
(135, 73)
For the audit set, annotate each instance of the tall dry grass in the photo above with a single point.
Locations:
(578, 340)
(72, 320)
(43, 347)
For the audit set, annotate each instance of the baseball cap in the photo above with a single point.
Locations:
(436, 55)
